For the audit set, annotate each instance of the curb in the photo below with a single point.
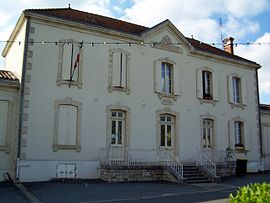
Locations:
(30, 196)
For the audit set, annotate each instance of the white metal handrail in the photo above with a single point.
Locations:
(175, 165)
(208, 165)
(223, 158)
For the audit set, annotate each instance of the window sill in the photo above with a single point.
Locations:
(69, 83)
(207, 101)
(118, 89)
(237, 105)
(66, 147)
(167, 99)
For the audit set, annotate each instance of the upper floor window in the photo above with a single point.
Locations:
(167, 78)
(70, 63)
(119, 62)
(239, 134)
(236, 89)
(207, 84)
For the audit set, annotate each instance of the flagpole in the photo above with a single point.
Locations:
(71, 64)
(77, 60)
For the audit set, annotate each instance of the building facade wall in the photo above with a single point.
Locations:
(42, 90)
(265, 124)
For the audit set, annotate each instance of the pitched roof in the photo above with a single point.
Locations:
(265, 107)
(7, 75)
(124, 27)
(91, 19)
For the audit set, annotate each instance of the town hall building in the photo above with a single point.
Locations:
(97, 94)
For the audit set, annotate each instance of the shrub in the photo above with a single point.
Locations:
(254, 192)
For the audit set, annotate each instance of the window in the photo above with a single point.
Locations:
(239, 134)
(236, 90)
(117, 127)
(3, 122)
(166, 130)
(70, 63)
(208, 131)
(167, 78)
(67, 125)
(119, 62)
(207, 85)
(6, 123)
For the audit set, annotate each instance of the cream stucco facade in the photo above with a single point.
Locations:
(92, 98)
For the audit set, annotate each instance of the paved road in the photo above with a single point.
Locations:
(97, 191)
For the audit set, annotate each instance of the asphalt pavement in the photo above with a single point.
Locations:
(93, 191)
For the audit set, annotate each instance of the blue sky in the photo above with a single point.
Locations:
(245, 20)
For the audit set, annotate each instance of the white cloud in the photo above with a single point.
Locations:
(245, 8)
(259, 54)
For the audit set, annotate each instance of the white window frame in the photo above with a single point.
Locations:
(125, 139)
(237, 97)
(213, 82)
(174, 148)
(239, 135)
(161, 81)
(68, 101)
(208, 133)
(119, 77)
(168, 137)
(245, 134)
(119, 135)
(60, 80)
(208, 116)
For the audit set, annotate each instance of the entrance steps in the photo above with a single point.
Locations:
(192, 174)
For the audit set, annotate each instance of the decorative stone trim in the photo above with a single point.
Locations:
(67, 101)
(8, 134)
(59, 80)
(112, 88)
(167, 45)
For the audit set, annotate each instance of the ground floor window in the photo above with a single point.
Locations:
(208, 131)
(239, 134)
(167, 125)
(117, 127)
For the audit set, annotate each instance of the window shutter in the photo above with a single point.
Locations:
(199, 83)
(215, 86)
(116, 70)
(67, 125)
(124, 71)
(244, 91)
(230, 89)
(157, 79)
(67, 51)
(232, 134)
(176, 80)
(3, 122)
(247, 138)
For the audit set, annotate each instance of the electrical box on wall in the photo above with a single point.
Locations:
(66, 170)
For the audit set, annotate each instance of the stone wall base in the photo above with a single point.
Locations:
(135, 173)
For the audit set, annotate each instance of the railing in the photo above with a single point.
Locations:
(122, 156)
(206, 164)
(221, 158)
(175, 166)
